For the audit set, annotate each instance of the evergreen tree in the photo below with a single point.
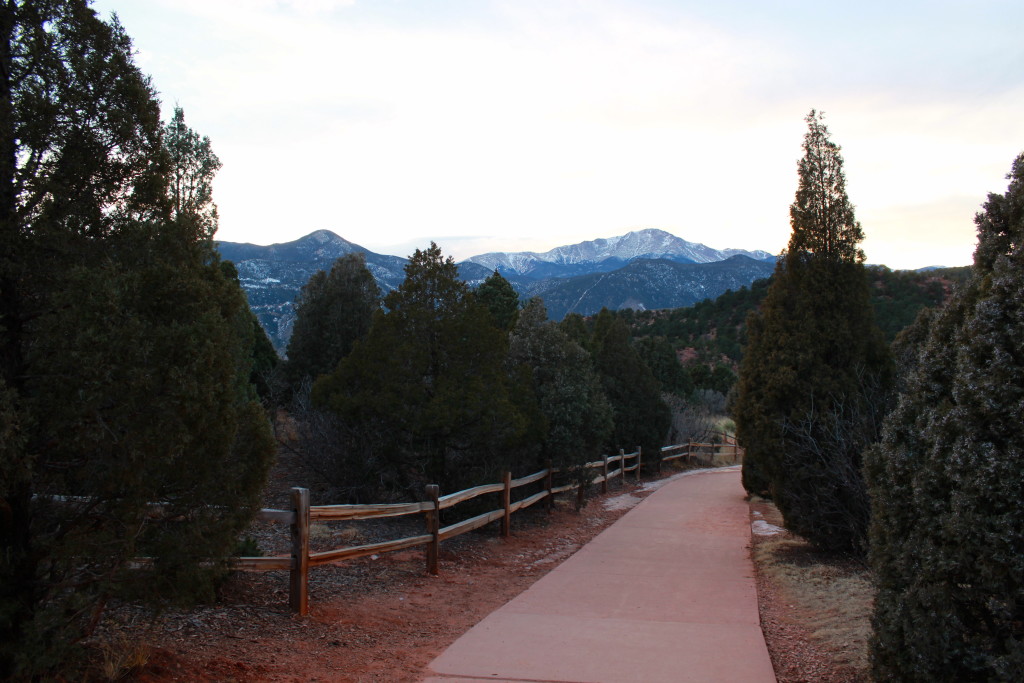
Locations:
(575, 327)
(193, 166)
(816, 370)
(500, 298)
(947, 535)
(658, 354)
(332, 312)
(641, 416)
(125, 352)
(264, 356)
(574, 416)
(426, 390)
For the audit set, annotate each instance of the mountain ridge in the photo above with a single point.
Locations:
(612, 272)
(649, 243)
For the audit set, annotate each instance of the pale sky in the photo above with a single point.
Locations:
(511, 125)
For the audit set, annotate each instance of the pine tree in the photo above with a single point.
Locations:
(641, 417)
(947, 535)
(125, 352)
(659, 355)
(500, 298)
(574, 417)
(264, 356)
(426, 390)
(816, 371)
(332, 312)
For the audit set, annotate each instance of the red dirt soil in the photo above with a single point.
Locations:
(385, 619)
(369, 620)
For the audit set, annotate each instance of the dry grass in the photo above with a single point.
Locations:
(832, 595)
(121, 655)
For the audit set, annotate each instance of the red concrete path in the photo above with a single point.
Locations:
(664, 594)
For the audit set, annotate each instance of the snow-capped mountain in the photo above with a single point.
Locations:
(605, 255)
(572, 277)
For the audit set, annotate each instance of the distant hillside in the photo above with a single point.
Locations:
(714, 330)
(648, 284)
(273, 275)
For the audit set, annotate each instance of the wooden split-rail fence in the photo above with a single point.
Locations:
(302, 514)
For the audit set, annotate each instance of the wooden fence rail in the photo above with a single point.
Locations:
(303, 514)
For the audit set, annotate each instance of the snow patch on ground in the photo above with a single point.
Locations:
(763, 528)
(623, 502)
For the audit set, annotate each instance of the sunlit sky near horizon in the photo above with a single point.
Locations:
(510, 125)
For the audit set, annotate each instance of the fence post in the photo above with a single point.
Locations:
(622, 465)
(433, 527)
(639, 462)
(581, 490)
(298, 595)
(506, 503)
(549, 484)
(604, 484)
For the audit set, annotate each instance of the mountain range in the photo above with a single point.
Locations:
(644, 269)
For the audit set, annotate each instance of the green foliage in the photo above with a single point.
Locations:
(333, 311)
(193, 166)
(264, 359)
(425, 392)
(264, 356)
(713, 327)
(898, 296)
(571, 414)
(641, 416)
(125, 350)
(816, 368)
(716, 331)
(575, 327)
(821, 215)
(661, 358)
(497, 294)
(947, 535)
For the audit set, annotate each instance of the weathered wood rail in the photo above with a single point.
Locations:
(302, 514)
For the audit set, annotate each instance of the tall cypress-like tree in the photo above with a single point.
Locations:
(947, 480)
(816, 369)
(332, 312)
(193, 166)
(125, 352)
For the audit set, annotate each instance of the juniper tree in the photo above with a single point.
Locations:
(500, 298)
(641, 417)
(947, 480)
(332, 312)
(815, 369)
(425, 391)
(124, 349)
(660, 356)
(573, 418)
(264, 356)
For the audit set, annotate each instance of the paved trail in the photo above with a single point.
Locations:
(664, 594)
